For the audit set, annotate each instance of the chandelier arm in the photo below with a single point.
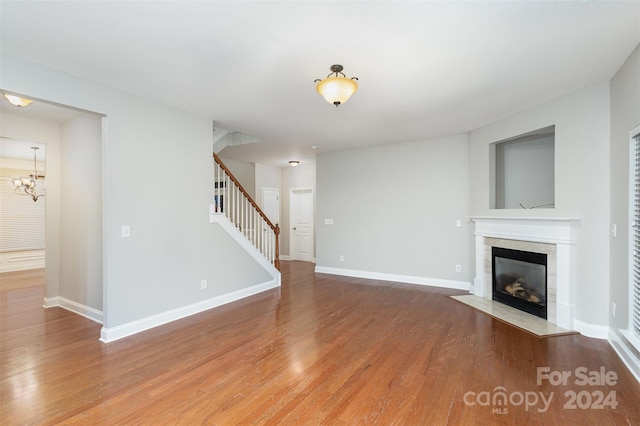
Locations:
(336, 73)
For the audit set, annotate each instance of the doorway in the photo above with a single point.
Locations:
(301, 240)
(72, 220)
(22, 212)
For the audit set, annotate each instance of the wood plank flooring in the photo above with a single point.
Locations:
(321, 349)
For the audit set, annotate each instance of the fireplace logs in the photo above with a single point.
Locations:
(519, 288)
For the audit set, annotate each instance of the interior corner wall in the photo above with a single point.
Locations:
(81, 206)
(173, 245)
(29, 130)
(266, 177)
(394, 209)
(625, 116)
(581, 183)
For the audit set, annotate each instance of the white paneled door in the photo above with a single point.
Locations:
(301, 213)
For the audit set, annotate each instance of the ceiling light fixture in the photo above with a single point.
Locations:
(17, 100)
(336, 89)
(294, 163)
(30, 186)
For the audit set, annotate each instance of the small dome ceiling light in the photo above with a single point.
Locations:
(294, 163)
(17, 100)
(337, 88)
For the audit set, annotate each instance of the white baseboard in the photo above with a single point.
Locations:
(21, 260)
(288, 257)
(51, 302)
(434, 282)
(111, 334)
(629, 356)
(591, 330)
(75, 307)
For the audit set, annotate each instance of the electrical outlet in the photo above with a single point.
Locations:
(126, 231)
(203, 284)
(341, 258)
(458, 268)
(613, 309)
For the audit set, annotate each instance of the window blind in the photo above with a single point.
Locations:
(21, 220)
(635, 231)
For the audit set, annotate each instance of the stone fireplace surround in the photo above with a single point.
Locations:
(552, 236)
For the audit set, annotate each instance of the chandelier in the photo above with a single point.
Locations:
(30, 185)
(336, 89)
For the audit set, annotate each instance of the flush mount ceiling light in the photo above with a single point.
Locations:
(17, 100)
(336, 88)
(30, 185)
(294, 163)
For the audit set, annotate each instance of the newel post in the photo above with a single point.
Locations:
(276, 261)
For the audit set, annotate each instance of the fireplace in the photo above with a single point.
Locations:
(553, 236)
(520, 279)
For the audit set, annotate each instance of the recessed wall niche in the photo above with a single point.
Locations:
(522, 171)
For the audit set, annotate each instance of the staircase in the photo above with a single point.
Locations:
(232, 202)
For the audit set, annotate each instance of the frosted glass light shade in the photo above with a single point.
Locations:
(337, 90)
(17, 100)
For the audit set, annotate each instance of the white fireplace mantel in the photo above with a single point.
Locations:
(556, 231)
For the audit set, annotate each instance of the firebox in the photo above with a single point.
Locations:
(520, 280)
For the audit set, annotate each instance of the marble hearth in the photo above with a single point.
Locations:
(552, 236)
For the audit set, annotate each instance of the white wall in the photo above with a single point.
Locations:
(395, 208)
(172, 246)
(266, 177)
(625, 116)
(245, 173)
(81, 211)
(581, 183)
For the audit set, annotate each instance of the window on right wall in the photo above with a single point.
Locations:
(523, 171)
(633, 333)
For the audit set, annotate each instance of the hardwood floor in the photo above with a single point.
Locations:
(320, 350)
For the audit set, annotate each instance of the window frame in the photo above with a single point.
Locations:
(633, 326)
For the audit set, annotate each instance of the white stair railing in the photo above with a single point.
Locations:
(231, 199)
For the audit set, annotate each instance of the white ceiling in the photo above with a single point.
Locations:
(425, 69)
